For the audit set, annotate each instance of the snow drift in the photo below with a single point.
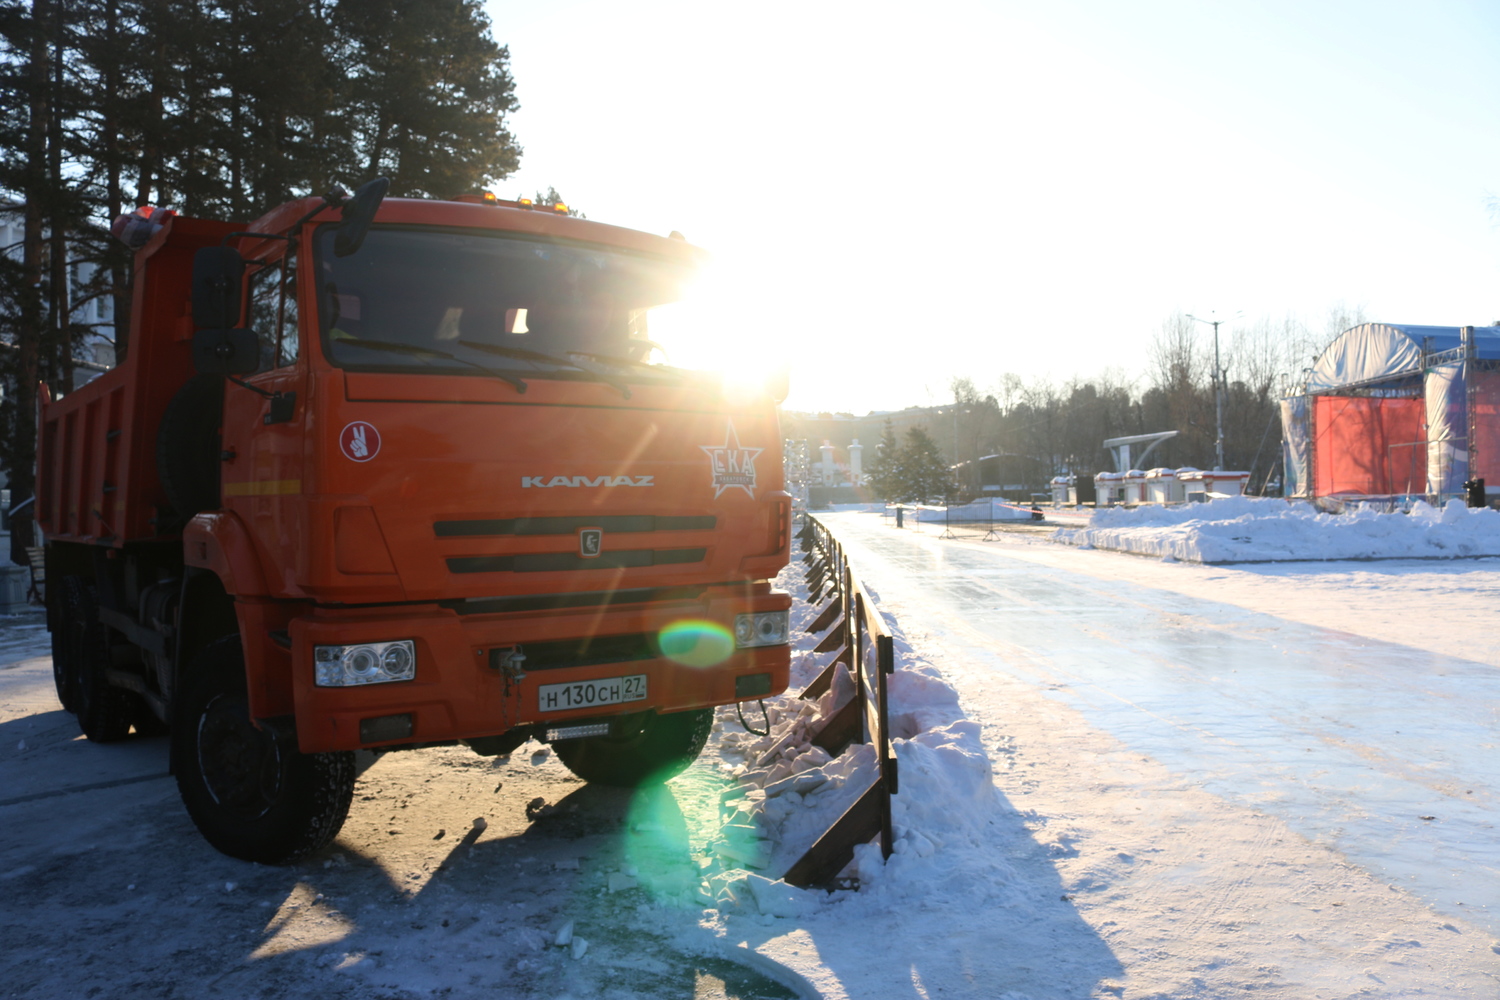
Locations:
(1253, 529)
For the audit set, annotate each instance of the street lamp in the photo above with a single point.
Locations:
(1218, 393)
(956, 412)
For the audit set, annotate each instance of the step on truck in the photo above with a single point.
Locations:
(383, 473)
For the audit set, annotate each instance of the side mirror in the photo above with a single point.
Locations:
(218, 275)
(226, 352)
(359, 212)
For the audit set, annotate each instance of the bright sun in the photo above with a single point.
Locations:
(719, 326)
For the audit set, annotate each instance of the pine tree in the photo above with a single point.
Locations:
(553, 197)
(883, 477)
(221, 109)
(432, 89)
(923, 475)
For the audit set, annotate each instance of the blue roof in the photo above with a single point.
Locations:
(1449, 338)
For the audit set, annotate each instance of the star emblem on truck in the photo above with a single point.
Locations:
(733, 464)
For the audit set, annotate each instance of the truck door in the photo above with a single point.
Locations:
(264, 431)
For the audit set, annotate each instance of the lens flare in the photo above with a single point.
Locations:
(696, 643)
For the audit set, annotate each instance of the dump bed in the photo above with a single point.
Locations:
(97, 478)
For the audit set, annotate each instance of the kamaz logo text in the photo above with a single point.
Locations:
(543, 481)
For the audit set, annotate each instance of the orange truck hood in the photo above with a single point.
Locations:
(430, 488)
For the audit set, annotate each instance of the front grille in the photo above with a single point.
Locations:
(570, 525)
(586, 652)
(577, 599)
(551, 562)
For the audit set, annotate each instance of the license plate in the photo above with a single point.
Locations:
(591, 694)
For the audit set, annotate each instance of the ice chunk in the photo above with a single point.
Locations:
(775, 898)
(580, 948)
(921, 845)
(728, 887)
(564, 935)
(781, 770)
(745, 854)
(869, 863)
(619, 882)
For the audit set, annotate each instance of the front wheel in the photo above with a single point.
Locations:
(252, 796)
(662, 749)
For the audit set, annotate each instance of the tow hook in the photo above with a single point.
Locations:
(510, 661)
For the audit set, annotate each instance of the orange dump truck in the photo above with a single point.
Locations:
(389, 473)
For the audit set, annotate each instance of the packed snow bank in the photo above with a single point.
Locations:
(1252, 529)
(785, 793)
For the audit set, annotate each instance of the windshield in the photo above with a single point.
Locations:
(466, 302)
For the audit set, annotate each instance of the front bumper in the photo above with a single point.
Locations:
(462, 691)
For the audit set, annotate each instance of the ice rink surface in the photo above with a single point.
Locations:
(1385, 751)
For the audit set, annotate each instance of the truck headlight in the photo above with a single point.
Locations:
(768, 628)
(366, 663)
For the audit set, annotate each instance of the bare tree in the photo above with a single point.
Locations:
(1177, 358)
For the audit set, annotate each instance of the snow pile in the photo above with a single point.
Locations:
(1252, 529)
(786, 792)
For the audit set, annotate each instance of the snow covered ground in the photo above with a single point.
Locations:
(1120, 777)
(1252, 529)
(1320, 825)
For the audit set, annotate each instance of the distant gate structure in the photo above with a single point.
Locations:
(1120, 448)
(1398, 412)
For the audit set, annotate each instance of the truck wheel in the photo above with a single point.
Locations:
(188, 447)
(251, 795)
(663, 749)
(145, 721)
(62, 663)
(104, 712)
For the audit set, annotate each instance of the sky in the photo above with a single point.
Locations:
(895, 196)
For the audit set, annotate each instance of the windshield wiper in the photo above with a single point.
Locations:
(432, 352)
(525, 355)
(682, 375)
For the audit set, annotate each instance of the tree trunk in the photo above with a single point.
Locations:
(114, 195)
(21, 448)
(60, 311)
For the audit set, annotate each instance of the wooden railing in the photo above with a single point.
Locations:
(863, 646)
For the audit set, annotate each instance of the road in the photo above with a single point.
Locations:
(110, 892)
(1379, 754)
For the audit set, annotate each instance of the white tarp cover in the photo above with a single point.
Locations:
(978, 511)
(1447, 399)
(1296, 447)
(1377, 350)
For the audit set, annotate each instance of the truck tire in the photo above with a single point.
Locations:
(62, 664)
(104, 712)
(145, 721)
(663, 749)
(252, 796)
(188, 445)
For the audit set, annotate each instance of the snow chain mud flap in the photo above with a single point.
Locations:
(865, 648)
